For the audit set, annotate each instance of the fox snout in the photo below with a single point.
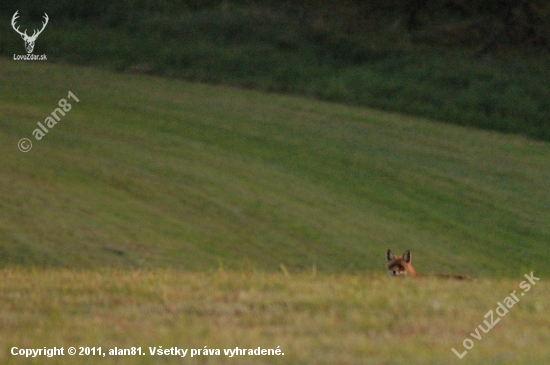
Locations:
(397, 272)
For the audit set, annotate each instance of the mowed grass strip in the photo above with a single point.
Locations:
(146, 172)
(313, 318)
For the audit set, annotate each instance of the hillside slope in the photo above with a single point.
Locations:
(147, 172)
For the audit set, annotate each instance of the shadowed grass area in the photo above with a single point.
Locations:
(313, 318)
(358, 54)
(147, 172)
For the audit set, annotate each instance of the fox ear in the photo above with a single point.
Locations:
(407, 256)
(389, 256)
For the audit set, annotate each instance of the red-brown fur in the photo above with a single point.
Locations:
(401, 266)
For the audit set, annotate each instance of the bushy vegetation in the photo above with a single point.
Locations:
(464, 61)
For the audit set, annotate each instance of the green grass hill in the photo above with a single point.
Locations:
(145, 172)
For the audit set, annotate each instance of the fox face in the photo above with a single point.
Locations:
(400, 266)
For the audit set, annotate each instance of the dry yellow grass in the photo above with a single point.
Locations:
(313, 318)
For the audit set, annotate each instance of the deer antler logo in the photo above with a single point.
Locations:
(29, 41)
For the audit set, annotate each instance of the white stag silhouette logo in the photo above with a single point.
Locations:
(29, 41)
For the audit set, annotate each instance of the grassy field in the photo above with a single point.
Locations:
(145, 172)
(312, 318)
(164, 213)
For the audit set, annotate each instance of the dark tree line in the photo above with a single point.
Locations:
(473, 22)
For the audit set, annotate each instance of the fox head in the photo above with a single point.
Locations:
(399, 266)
